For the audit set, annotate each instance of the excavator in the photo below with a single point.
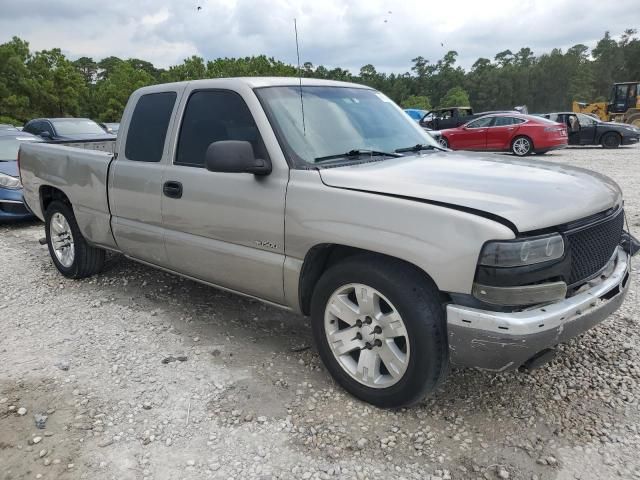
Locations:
(623, 105)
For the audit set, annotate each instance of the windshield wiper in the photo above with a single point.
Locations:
(415, 148)
(357, 153)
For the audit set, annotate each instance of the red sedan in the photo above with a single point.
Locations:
(507, 132)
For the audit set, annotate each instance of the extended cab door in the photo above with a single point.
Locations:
(135, 187)
(225, 228)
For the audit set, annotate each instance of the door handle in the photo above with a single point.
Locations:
(172, 189)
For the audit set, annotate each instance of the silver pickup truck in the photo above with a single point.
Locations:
(324, 198)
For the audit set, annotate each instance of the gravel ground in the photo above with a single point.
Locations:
(139, 374)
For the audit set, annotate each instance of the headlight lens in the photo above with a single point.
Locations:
(522, 252)
(7, 181)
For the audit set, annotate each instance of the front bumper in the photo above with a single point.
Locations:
(500, 341)
(630, 140)
(12, 206)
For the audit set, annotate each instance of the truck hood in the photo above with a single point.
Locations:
(529, 194)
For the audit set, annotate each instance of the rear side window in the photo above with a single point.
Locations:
(148, 127)
(503, 121)
(212, 116)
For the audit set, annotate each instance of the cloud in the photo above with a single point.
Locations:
(345, 33)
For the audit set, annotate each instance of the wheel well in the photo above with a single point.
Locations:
(48, 194)
(610, 132)
(322, 257)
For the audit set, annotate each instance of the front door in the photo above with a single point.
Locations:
(588, 126)
(473, 136)
(224, 228)
(136, 178)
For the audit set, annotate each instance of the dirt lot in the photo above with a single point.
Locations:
(145, 375)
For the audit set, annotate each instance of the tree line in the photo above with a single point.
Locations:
(47, 84)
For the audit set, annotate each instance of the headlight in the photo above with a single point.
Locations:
(7, 181)
(522, 252)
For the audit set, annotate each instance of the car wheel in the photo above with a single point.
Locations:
(70, 252)
(379, 326)
(443, 142)
(610, 140)
(521, 146)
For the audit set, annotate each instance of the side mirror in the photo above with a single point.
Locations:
(45, 134)
(235, 156)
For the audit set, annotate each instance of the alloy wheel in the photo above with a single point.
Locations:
(366, 335)
(62, 240)
(521, 146)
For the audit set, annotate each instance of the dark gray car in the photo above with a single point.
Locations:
(67, 129)
(587, 130)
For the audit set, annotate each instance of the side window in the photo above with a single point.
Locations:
(212, 116)
(585, 120)
(480, 123)
(503, 121)
(148, 127)
(517, 121)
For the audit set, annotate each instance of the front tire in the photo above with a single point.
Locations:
(443, 142)
(380, 329)
(610, 140)
(70, 252)
(521, 146)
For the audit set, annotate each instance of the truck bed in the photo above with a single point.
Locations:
(78, 170)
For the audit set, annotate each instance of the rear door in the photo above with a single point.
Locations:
(135, 191)
(501, 132)
(225, 228)
(473, 136)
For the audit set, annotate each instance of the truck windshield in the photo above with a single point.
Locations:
(339, 120)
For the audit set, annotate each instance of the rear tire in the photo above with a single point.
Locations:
(610, 140)
(380, 329)
(521, 146)
(70, 252)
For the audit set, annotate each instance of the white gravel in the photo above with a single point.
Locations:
(136, 374)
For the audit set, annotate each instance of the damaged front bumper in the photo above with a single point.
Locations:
(501, 341)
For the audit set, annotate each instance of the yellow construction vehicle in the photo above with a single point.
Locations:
(623, 105)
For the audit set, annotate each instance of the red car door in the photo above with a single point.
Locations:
(499, 135)
(473, 135)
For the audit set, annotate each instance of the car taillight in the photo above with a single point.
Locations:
(560, 130)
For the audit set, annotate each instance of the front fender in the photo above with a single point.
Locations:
(443, 242)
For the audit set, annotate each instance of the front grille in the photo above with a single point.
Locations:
(591, 247)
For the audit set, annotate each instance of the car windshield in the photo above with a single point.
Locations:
(75, 126)
(9, 146)
(338, 120)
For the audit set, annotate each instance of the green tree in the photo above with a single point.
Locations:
(455, 97)
(113, 92)
(416, 101)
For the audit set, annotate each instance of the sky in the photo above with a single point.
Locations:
(334, 33)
